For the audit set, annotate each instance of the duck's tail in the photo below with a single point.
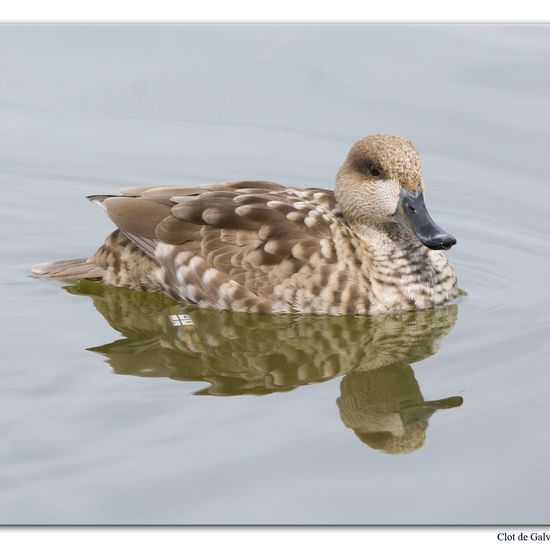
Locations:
(69, 270)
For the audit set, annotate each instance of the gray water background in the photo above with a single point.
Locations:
(92, 109)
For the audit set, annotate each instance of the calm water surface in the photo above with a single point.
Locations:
(113, 409)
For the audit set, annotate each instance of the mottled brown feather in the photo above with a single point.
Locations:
(241, 230)
(135, 215)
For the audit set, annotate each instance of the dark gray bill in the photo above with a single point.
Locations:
(413, 215)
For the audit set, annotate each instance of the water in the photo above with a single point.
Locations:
(111, 414)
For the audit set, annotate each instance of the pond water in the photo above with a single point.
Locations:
(114, 409)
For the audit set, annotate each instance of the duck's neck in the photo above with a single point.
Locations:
(388, 241)
(393, 257)
(402, 272)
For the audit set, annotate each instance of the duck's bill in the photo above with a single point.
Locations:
(413, 215)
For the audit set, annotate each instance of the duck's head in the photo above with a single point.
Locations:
(381, 182)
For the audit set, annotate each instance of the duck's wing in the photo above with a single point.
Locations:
(253, 235)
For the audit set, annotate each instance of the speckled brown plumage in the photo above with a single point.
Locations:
(268, 248)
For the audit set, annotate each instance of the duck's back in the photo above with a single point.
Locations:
(244, 246)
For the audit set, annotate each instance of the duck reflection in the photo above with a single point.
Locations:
(238, 353)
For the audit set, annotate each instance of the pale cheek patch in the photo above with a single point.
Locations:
(384, 198)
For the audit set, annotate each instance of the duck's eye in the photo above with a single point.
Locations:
(373, 170)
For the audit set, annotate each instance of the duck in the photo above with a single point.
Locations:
(368, 247)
